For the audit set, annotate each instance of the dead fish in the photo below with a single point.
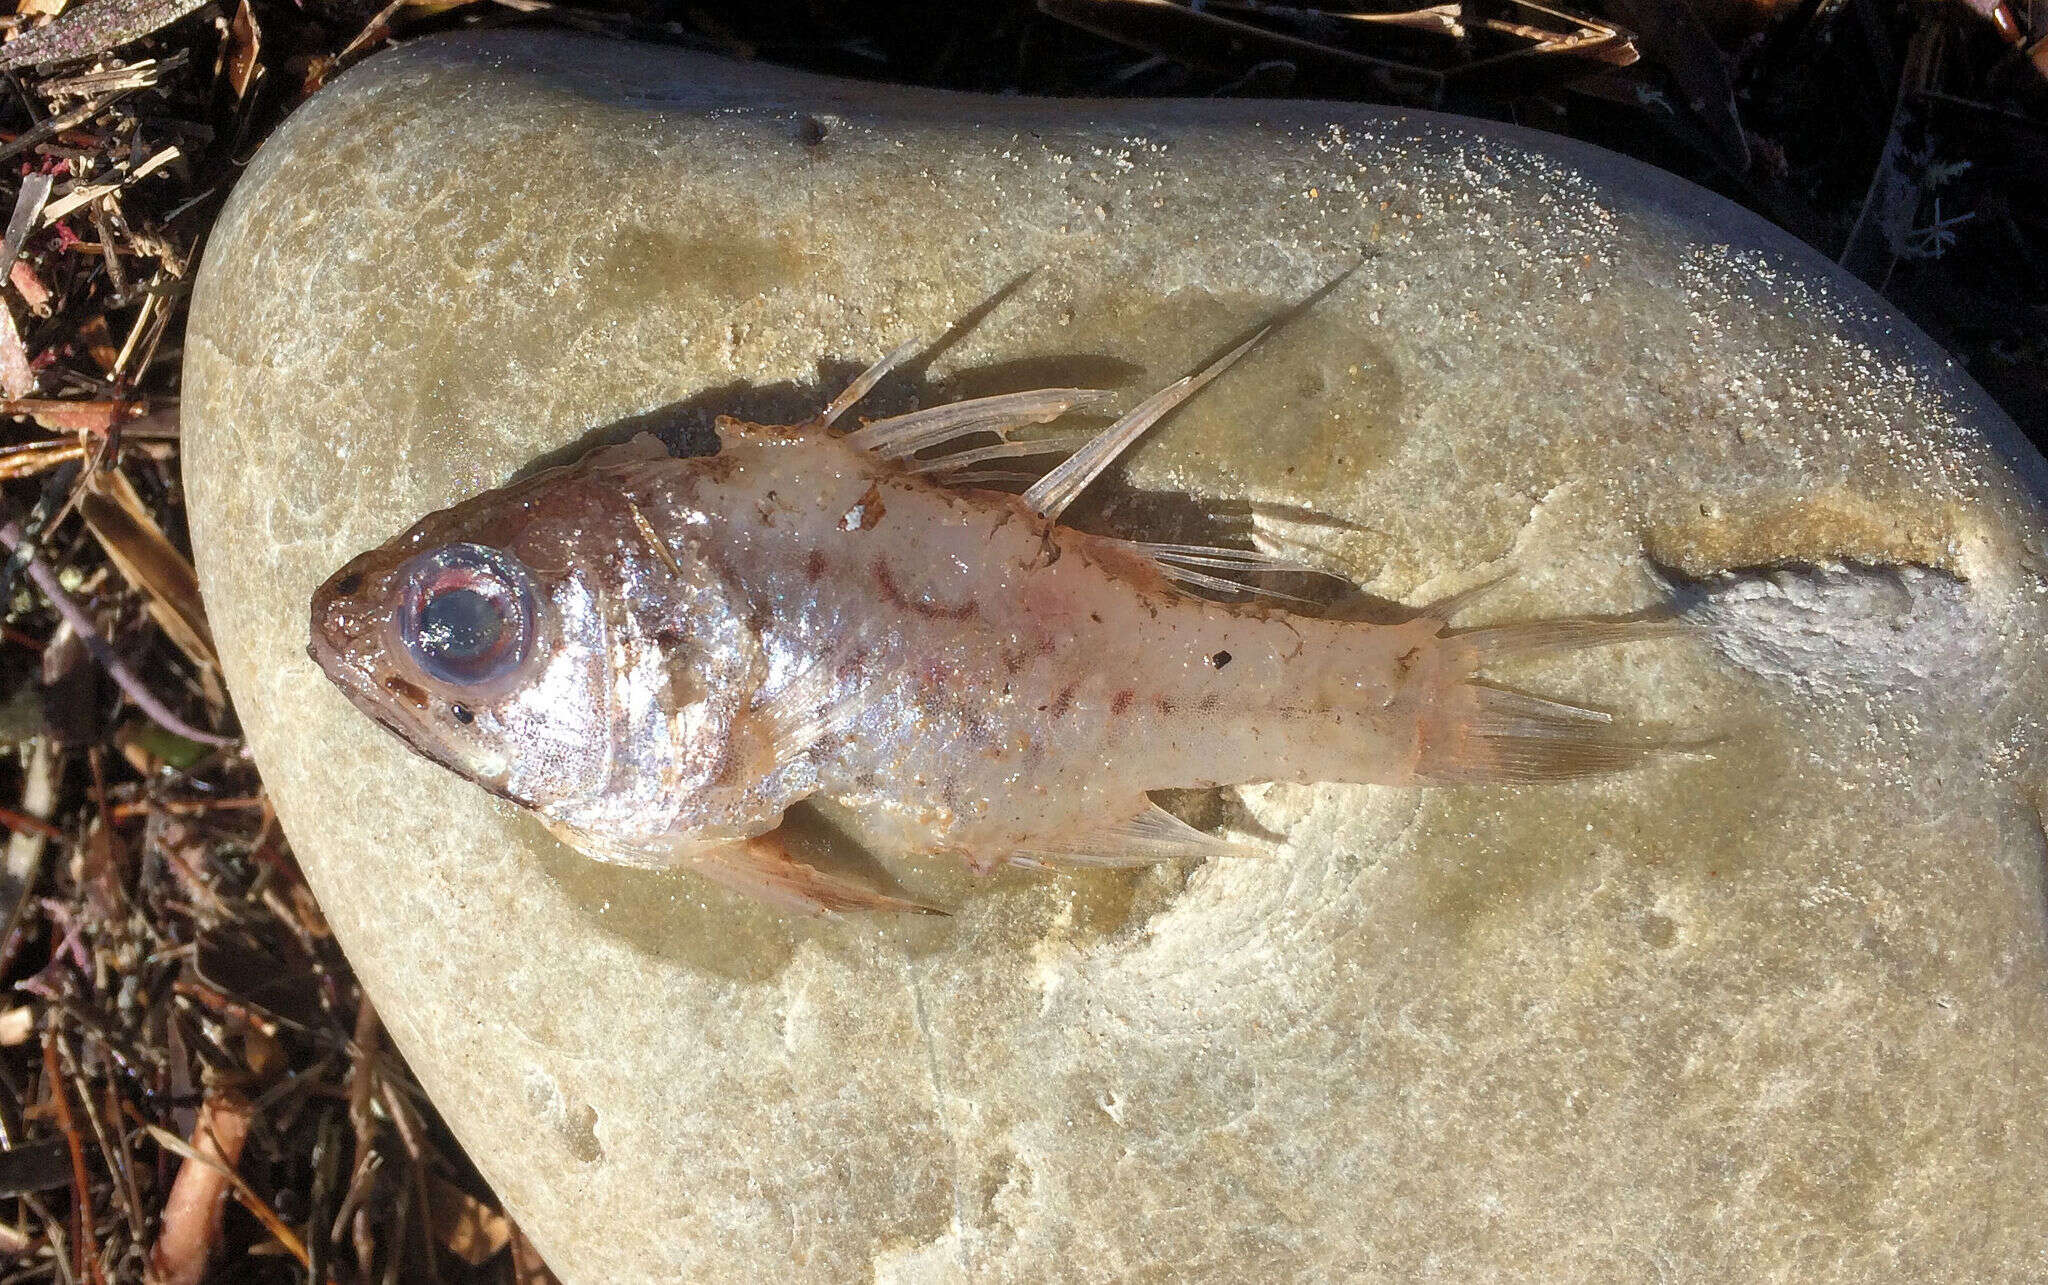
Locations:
(659, 656)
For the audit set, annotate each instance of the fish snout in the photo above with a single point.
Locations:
(342, 634)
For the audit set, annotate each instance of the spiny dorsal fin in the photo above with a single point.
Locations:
(902, 435)
(865, 383)
(1051, 494)
(1007, 449)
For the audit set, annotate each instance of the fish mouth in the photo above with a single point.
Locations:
(349, 639)
(341, 625)
(344, 639)
(368, 693)
(328, 646)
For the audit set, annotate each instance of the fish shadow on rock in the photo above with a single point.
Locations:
(679, 918)
(686, 427)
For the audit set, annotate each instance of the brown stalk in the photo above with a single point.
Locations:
(84, 1262)
(38, 457)
(53, 589)
(34, 825)
(125, 1159)
(188, 807)
(92, 416)
(216, 1147)
(149, 561)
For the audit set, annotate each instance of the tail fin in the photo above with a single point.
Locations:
(1480, 732)
(1497, 734)
(1494, 643)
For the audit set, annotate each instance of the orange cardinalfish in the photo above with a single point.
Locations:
(660, 655)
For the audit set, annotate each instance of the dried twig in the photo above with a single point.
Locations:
(29, 823)
(145, 74)
(81, 1194)
(78, 197)
(103, 651)
(28, 211)
(192, 1213)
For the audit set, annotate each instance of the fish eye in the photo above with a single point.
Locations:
(468, 614)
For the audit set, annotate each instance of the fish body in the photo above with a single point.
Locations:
(660, 655)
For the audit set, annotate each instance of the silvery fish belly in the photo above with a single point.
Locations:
(660, 655)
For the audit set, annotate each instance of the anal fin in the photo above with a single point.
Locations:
(1488, 734)
(1150, 836)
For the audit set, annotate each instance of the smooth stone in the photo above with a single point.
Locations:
(1772, 1011)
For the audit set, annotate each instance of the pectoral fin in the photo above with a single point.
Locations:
(763, 867)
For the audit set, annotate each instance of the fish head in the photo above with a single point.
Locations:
(544, 642)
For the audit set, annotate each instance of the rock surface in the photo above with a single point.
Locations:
(1775, 1013)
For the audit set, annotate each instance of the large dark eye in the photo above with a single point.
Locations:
(468, 614)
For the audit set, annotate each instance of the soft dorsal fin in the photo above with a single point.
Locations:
(1214, 568)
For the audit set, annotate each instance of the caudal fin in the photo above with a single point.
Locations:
(1494, 643)
(1486, 733)
(1480, 732)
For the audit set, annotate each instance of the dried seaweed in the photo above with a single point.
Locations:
(92, 28)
